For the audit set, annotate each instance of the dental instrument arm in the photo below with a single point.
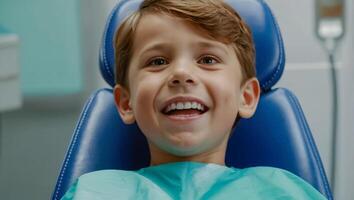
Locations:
(330, 30)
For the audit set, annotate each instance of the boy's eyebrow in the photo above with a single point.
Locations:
(156, 46)
(213, 45)
(198, 44)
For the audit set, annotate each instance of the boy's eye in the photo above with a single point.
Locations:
(208, 60)
(157, 62)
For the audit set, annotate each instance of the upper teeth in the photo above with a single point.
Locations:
(184, 105)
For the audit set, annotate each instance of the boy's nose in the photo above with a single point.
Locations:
(181, 78)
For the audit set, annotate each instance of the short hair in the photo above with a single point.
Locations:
(215, 17)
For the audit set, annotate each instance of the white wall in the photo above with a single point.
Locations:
(94, 18)
(345, 159)
(32, 146)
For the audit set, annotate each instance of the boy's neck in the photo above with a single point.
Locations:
(216, 156)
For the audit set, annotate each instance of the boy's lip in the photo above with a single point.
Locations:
(182, 99)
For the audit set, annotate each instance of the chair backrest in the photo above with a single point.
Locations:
(277, 135)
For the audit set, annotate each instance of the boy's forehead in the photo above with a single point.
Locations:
(160, 23)
(152, 29)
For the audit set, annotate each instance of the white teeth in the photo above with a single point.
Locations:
(194, 105)
(184, 105)
(187, 105)
(180, 106)
(173, 106)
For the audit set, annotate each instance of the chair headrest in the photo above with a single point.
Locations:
(270, 54)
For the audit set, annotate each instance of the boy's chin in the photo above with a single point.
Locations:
(197, 151)
(183, 152)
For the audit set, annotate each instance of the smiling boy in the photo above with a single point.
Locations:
(175, 65)
(185, 73)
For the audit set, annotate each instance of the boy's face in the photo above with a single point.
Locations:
(184, 87)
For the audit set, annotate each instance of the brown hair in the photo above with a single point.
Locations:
(218, 19)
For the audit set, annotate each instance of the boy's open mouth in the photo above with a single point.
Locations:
(184, 108)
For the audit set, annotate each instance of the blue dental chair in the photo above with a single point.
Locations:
(277, 135)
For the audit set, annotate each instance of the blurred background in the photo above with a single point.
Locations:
(49, 66)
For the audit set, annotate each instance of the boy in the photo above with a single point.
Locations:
(185, 73)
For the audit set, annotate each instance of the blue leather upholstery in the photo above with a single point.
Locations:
(277, 135)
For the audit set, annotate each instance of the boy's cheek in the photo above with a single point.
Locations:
(143, 102)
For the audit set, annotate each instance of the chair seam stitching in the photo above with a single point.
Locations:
(280, 41)
(77, 131)
(312, 147)
(104, 41)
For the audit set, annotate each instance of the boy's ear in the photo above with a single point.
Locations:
(250, 92)
(122, 100)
